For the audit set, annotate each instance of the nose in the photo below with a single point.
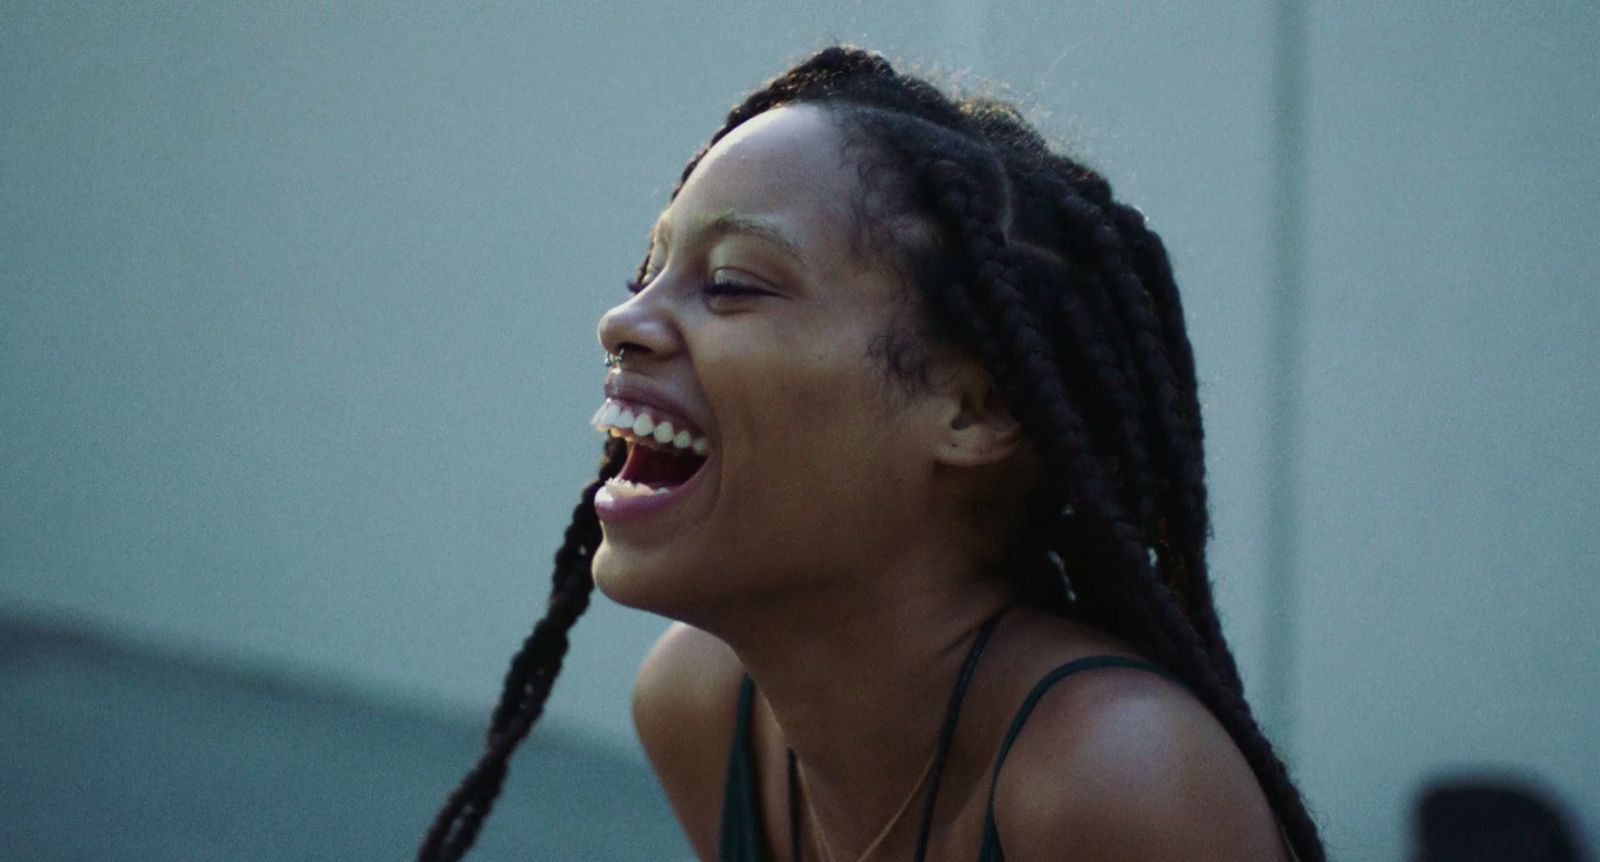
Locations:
(639, 324)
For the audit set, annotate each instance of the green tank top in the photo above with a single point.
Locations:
(742, 838)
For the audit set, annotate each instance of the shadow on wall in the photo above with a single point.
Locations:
(1493, 819)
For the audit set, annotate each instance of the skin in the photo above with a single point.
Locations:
(831, 553)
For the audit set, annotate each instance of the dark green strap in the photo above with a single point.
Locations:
(794, 810)
(947, 729)
(741, 839)
(989, 848)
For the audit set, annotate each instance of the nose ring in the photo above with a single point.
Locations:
(614, 360)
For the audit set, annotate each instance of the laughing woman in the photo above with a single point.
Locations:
(903, 433)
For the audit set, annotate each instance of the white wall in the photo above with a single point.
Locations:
(297, 309)
(1452, 521)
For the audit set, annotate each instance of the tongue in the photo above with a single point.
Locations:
(659, 469)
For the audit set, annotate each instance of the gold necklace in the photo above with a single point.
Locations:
(894, 819)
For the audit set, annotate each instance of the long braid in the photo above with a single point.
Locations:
(1180, 413)
(1058, 187)
(1184, 534)
(1128, 243)
(1155, 270)
(1130, 256)
(528, 682)
(1176, 416)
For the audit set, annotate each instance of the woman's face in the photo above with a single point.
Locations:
(754, 332)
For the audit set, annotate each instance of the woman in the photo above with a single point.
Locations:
(903, 432)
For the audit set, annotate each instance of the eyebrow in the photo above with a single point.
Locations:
(719, 224)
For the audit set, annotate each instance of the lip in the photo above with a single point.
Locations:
(634, 389)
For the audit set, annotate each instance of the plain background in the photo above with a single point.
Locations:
(297, 309)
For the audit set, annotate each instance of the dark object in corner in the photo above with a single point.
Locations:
(1487, 820)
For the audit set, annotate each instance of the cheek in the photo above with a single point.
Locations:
(814, 409)
(819, 460)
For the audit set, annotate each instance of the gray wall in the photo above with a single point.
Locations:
(297, 309)
(1451, 517)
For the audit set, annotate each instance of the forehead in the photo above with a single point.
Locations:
(783, 176)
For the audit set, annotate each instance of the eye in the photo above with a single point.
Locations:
(715, 287)
(720, 285)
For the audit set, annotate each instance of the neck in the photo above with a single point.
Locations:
(857, 681)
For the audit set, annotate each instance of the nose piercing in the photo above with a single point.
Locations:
(614, 360)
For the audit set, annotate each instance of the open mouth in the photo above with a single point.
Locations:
(657, 470)
(664, 452)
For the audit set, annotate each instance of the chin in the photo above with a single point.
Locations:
(648, 583)
(631, 582)
(610, 574)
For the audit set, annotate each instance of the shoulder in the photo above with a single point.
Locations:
(1119, 763)
(683, 710)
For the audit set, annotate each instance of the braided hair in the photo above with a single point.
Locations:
(1067, 298)
(527, 684)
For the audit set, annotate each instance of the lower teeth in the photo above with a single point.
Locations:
(624, 489)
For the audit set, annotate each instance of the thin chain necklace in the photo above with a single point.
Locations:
(894, 819)
(932, 770)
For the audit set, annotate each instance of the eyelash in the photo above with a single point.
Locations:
(709, 287)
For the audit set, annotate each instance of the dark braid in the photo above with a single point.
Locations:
(1179, 410)
(527, 684)
(1154, 269)
(1133, 259)
(1182, 535)
(1069, 301)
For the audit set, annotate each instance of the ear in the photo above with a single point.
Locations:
(976, 427)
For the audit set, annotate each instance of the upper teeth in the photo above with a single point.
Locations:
(636, 424)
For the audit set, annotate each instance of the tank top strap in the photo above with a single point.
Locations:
(990, 844)
(740, 836)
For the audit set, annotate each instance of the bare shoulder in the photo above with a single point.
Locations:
(683, 711)
(1121, 764)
